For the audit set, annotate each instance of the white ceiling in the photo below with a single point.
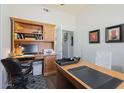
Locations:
(73, 9)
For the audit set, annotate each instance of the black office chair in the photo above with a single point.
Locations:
(17, 72)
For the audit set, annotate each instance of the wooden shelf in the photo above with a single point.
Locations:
(23, 40)
(27, 32)
(28, 21)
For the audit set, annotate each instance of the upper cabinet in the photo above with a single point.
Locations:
(32, 31)
(48, 33)
(24, 31)
(27, 31)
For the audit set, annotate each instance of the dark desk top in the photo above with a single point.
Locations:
(94, 78)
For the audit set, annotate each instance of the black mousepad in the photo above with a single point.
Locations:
(95, 79)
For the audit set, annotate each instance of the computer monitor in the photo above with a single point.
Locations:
(30, 48)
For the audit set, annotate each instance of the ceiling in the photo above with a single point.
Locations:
(73, 9)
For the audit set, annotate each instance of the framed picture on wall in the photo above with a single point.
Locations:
(114, 34)
(94, 36)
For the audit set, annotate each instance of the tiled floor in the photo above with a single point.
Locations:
(39, 82)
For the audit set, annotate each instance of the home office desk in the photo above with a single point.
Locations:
(49, 66)
(37, 56)
(65, 79)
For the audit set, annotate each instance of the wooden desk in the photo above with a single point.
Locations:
(36, 56)
(49, 67)
(67, 80)
(40, 56)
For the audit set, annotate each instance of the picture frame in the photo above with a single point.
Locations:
(113, 34)
(94, 36)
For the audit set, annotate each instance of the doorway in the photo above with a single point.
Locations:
(67, 43)
(64, 43)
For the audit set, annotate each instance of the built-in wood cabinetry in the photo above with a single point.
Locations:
(49, 65)
(49, 31)
(32, 32)
(27, 31)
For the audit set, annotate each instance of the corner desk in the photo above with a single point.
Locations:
(67, 80)
(49, 66)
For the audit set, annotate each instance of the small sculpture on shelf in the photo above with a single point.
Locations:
(19, 50)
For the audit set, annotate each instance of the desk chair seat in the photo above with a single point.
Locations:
(17, 71)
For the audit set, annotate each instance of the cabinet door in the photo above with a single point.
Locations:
(48, 33)
(49, 65)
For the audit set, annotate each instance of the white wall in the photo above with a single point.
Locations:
(99, 17)
(0, 51)
(32, 12)
(5, 42)
(2, 70)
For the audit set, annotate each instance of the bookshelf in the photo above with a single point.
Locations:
(25, 31)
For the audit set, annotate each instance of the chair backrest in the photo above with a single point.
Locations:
(12, 66)
(104, 58)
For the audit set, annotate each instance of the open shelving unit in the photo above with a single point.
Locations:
(31, 32)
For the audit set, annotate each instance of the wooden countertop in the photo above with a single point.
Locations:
(78, 83)
(34, 56)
